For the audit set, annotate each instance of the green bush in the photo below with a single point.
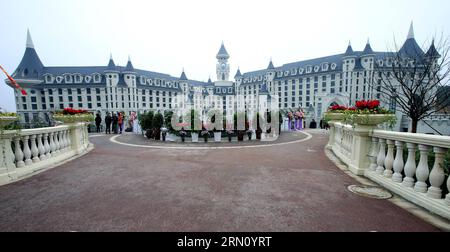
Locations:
(158, 121)
(146, 120)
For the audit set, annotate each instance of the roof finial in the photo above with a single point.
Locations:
(349, 43)
(411, 31)
(29, 40)
(368, 40)
(129, 57)
(110, 56)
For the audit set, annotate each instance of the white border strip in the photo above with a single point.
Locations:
(308, 137)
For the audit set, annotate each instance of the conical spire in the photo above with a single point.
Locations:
(209, 80)
(238, 73)
(368, 48)
(349, 50)
(223, 52)
(30, 66)
(270, 66)
(183, 76)
(111, 64)
(129, 66)
(411, 31)
(432, 52)
(29, 40)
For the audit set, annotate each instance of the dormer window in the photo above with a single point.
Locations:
(230, 90)
(316, 68)
(142, 79)
(301, 70)
(87, 78)
(49, 79)
(333, 66)
(163, 83)
(78, 78)
(286, 73)
(325, 67)
(68, 79)
(218, 90)
(97, 78)
(308, 69)
(293, 71)
(280, 74)
(149, 82)
(175, 84)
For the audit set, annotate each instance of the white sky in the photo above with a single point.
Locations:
(165, 36)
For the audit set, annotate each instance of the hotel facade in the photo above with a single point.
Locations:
(312, 85)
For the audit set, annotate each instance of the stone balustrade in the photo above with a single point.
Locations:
(389, 159)
(23, 152)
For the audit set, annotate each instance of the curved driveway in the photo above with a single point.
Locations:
(124, 188)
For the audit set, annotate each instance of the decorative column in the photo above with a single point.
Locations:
(373, 154)
(47, 147)
(34, 149)
(437, 175)
(398, 162)
(381, 156)
(389, 161)
(410, 166)
(26, 150)
(18, 153)
(422, 171)
(41, 148)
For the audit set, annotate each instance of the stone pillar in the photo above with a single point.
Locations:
(360, 149)
(332, 135)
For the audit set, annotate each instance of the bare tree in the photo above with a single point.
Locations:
(413, 77)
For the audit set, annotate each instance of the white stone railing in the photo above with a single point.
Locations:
(23, 152)
(379, 155)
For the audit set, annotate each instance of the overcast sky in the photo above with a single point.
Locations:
(165, 36)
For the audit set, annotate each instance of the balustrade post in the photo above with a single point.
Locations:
(18, 152)
(410, 166)
(47, 146)
(64, 138)
(437, 175)
(389, 161)
(56, 141)
(52, 145)
(381, 156)
(68, 138)
(7, 156)
(41, 148)
(422, 171)
(26, 150)
(373, 154)
(34, 149)
(398, 162)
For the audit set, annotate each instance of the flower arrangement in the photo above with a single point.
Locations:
(70, 115)
(369, 112)
(337, 108)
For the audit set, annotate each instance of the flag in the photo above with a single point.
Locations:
(14, 82)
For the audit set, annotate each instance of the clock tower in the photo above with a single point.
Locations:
(222, 68)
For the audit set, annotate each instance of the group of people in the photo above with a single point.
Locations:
(116, 121)
(296, 119)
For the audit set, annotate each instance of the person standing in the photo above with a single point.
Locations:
(98, 121)
(115, 119)
(120, 121)
(108, 121)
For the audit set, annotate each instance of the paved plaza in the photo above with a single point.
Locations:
(288, 185)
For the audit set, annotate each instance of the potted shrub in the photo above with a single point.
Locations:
(70, 116)
(146, 122)
(158, 122)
